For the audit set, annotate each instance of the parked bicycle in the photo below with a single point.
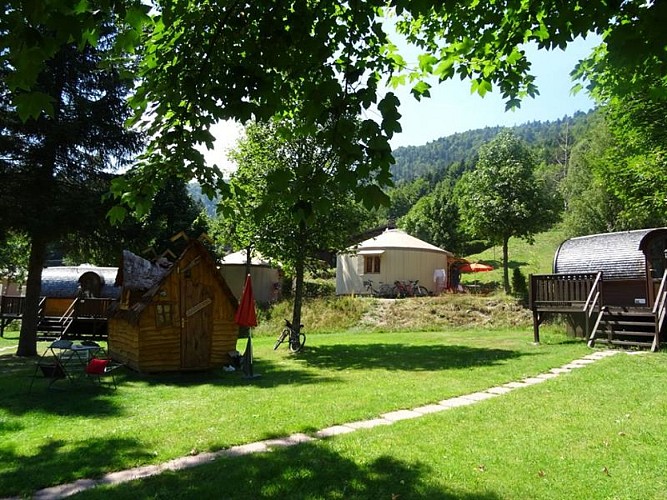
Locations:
(385, 290)
(295, 341)
(401, 289)
(418, 290)
(409, 289)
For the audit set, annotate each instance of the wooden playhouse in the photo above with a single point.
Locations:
(610, 287)
(173, 316)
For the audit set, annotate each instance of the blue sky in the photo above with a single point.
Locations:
(452, 108)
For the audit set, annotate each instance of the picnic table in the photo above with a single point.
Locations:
(66, 360)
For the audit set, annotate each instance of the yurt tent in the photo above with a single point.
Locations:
(393, 255)
(173, 316)
(265, 277)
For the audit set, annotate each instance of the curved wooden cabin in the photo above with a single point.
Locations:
(74, 302)
(62, 284)
(173, 316)
(632, 263)
(611, 287)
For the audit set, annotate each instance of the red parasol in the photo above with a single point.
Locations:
(245, 314)
(475, 267)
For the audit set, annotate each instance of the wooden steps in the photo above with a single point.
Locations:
(626, 327)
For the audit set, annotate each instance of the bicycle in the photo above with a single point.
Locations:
(295, 341)
(418, 290)
(384, 291)
(402, 290)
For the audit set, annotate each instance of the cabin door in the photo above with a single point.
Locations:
(196, 333)
(656, 262)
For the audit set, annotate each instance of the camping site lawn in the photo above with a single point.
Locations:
(596, 432)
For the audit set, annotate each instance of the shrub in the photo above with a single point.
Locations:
(519, 285)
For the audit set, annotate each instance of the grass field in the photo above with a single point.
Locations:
(531, 259)
(55, 436)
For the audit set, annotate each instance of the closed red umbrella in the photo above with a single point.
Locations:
(245, 314)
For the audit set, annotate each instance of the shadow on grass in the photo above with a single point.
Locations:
(303, 472)
(405, 357)
(60, 464)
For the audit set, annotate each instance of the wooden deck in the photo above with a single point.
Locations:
(84, 319)
(582, 293)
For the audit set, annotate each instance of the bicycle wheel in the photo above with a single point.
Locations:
(421, 291)
(296, 347)
(281, 338)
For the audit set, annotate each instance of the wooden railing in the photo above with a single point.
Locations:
(566, 293)
(68, 317)
(563, 292)
(11, 305)
(659, 311)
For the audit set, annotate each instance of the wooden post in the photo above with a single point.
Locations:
(536, 327)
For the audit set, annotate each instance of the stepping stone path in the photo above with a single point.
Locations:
(182, 463)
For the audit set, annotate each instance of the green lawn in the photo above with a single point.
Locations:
(51, 437)
(594, 433)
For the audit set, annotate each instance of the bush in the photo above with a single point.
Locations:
(519, 285)
(319, 288)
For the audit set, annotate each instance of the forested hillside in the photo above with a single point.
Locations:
(551, 141)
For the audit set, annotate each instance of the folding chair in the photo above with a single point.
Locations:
(101, 367)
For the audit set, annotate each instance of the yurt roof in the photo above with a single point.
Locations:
(395, 238)
(239, 258)
(618, 255)
(63, 281)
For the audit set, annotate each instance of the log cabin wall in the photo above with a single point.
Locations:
(185, 322)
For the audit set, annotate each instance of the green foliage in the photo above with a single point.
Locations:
(519, 285)
(14, 251)
(434, 218)
(319, 288)
(437, 158)
(502, 198)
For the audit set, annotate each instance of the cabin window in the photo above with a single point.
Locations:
(162, 315)
(371, 264)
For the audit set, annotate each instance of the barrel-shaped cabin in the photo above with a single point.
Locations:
(74, 302)
(610, 286)
(173, 316)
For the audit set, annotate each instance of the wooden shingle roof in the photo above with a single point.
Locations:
(618, 255)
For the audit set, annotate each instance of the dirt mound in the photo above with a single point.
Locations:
(445, 311)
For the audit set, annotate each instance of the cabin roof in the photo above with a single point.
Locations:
(618, 255)
(63, 281)
(395, 238)
(149, 277)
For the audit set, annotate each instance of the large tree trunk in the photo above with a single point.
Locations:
(506, 278)
(28, 337)
(298, 288)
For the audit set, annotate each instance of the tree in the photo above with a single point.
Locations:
(52, 166)
(435, 218)
(287, 202)
(320, 61)
(14, 250)
(502, 198)
(173, 210)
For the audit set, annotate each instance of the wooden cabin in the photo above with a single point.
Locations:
(610, 287)
(173, 316)
(74, 302)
